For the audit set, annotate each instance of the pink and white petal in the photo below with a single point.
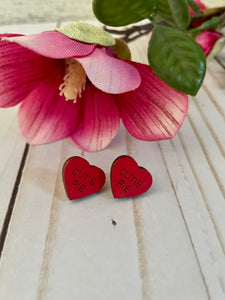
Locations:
(20, 72)
(154, 111)
(207, 39)
(53, 44)
(45, 116)
(99, 120)
(110, 74)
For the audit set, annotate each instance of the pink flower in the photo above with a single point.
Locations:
(207, 39)
(71, 88)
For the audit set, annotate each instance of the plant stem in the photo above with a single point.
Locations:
(132, 33)
(206, 14)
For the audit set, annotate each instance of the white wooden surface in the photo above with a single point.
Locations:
(168, 244)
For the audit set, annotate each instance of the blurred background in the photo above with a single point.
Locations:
(38, 11)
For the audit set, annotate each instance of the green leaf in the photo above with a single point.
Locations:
(193, 5)
(87, 33)
(174, 12)
(121, 50)
(177, 59)
(120, 13)
(210, 24)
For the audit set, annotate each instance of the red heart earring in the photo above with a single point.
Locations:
(80, 178)
(128, 179)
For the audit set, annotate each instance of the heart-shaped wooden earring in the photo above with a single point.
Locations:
(80, 178)
(128, 179)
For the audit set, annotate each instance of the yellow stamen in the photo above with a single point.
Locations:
(74, 81)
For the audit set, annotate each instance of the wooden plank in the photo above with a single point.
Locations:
(32, 208)
(27, 28)
(200, 153)
(165, 241)
(12, 144)
(11, 151)
(221, 59)
(100, 258)
(206, 158)
(211, 112)
(212, 137)
(69, 242)
(77, 243)
(214, 85)
(217, 202)
(164, 245)
(199, 224)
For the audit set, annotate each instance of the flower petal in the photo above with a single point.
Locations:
(20, 72)
(110, 74)
(53, 44)
(154, 111)
(99, 120)
(207, 39)
(45, 116)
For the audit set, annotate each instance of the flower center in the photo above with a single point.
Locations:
(74, 80)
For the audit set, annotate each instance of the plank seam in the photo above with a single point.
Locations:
(13, 199)
(47, 252)
(202, 193)
(53, 221)
(49, 240)
(219, 110)
(185, 222)
(219, 62)
(142, 256)
(143, 261)
(220, 184)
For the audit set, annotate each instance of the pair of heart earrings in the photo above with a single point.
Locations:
(127, 178)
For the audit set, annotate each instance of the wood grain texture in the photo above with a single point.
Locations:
(11, 151)
(164, 234)
(166, 244)
(12, 145)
